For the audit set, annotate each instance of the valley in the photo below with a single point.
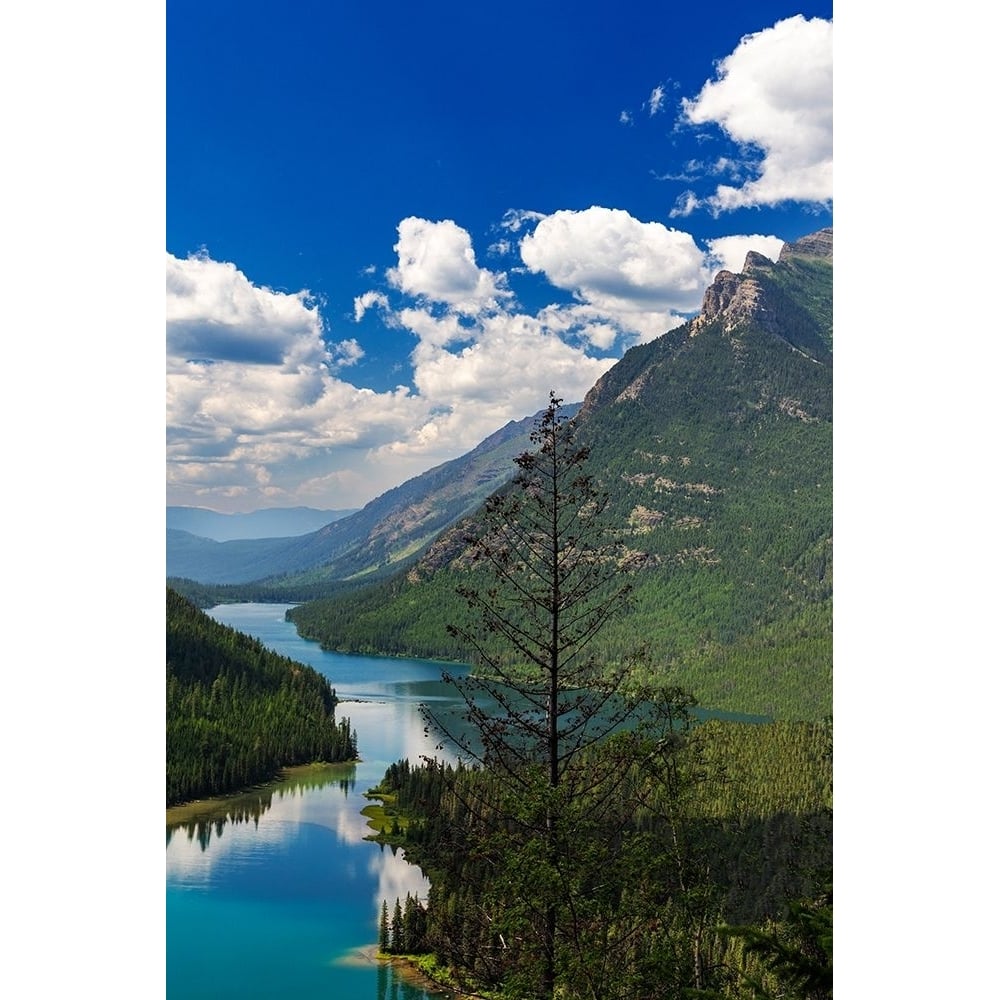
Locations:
(599, 652)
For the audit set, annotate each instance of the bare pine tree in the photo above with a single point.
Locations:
(539, 701)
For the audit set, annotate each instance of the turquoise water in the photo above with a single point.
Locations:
(277, 893)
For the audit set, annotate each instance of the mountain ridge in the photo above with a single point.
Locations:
(715, 442)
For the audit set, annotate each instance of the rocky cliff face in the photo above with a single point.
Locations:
(814, 245)
(737, 298)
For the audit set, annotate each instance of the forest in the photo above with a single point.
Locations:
(708, 877)
(237, 712)
(593, 841)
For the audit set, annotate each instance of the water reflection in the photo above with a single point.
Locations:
(276, 891)
(198, 819)
(395, 981)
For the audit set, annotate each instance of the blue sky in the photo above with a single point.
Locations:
(391, 228)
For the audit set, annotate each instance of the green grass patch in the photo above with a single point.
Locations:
(383, 817)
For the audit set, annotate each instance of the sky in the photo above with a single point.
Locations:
(392, 228)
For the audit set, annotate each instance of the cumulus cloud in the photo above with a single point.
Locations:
(582, 323)
(638, 275)
(728, 253)
(251, 388)
(436, 263)
(438, 331)
(257, 413)
(501, 372)
(625, 118)
(215, 313)
(773, 94)
(655, 102)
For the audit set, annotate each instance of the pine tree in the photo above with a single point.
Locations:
(397, 929)
(556, 576)
(383, 929)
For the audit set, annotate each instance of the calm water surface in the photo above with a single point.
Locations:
(277, 893)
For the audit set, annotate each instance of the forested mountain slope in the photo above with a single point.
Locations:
(715, 443)
(237, 712)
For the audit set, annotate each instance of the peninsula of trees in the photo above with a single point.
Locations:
(237, 712)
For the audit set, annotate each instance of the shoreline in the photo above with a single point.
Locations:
(181, 812)
(411, 972)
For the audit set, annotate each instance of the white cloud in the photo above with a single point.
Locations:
(257, 416)
(774, 93)
(251, 394)
(369, 300)
(347, 352)
(436, 263)
(638, 275)
(504, 370)
(685, 204)
(581, 322)
(724, 165)
(438, 331)
(215, 313)
(728, 253)
(655, 102)
(516, 219)
(625, 118)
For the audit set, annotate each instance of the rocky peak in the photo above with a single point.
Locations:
(739, 297)
(755, 261)
(814, 245)
(734, 297)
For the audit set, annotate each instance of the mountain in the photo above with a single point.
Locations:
(715, 443)
(391, 529)
(196, 558)
(272, 522)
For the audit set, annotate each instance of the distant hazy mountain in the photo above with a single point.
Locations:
(273, 522)
(203, 559)
(393, 528)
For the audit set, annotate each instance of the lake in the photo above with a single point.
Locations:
(276, 892)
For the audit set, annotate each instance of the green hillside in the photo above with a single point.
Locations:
(238, 712)
(715, 444)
